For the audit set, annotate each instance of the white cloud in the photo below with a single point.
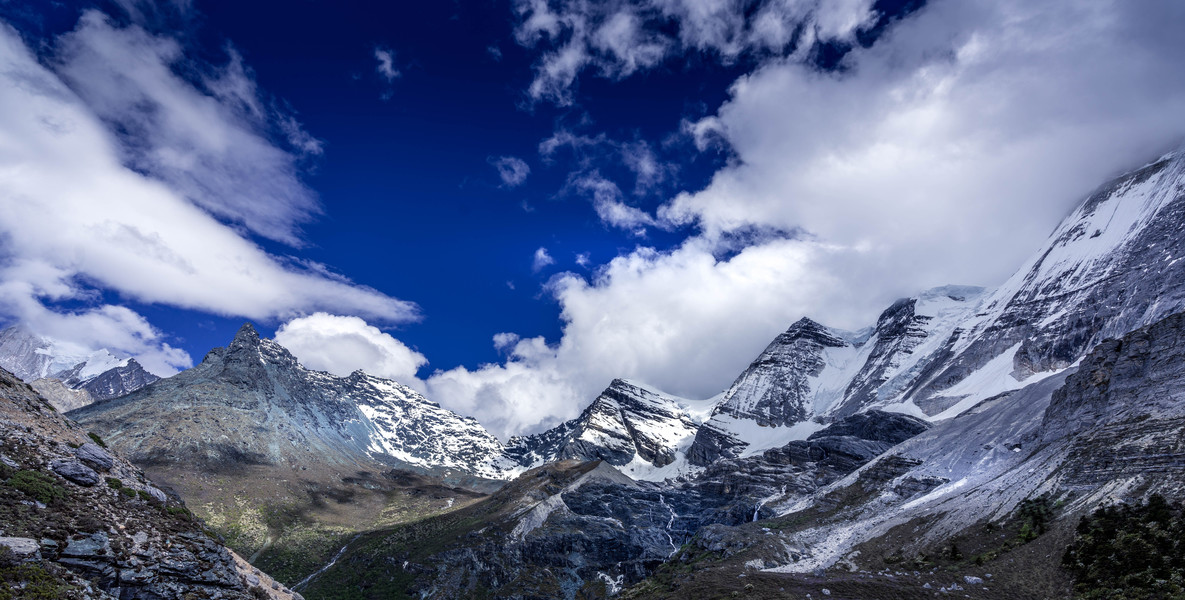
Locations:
(386, 67)
(344, 344)
(505, 341)
(512, 170)
(541, 260)
(207, 142)
(950, 148)
(619, 38)
(684, 321)
(945, 153)
(607, 201)
(74, 220)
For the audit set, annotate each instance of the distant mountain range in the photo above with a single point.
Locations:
(67, 379)
(953, 408)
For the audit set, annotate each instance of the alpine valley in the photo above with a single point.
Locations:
(954, 447)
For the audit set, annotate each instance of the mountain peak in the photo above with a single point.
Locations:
(806, 328)
(247, 335)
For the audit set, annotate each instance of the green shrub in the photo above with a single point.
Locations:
(1035, 515)
(145, 496)
(1130, 551)
(114, 483)
(128, 492)
(98, 440)
(31, 582)
(37, 485)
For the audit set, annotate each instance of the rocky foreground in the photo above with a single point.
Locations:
(79, 521)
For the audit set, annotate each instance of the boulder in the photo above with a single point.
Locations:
(23, 548)
(155, 493)
(95, 456)
(75, 471)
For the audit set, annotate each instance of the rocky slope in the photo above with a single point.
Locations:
(79, 521)
(1108, 430)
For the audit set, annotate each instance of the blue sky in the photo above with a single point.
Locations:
(506, 204)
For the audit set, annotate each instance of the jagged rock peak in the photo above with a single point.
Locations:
(246, 336)
(809, 329)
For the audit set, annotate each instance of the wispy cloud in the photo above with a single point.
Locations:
(617, 39)
(210, 140)
(386, 67)
(387, 70)
(541, 260)
(512, 170)
(608, 201)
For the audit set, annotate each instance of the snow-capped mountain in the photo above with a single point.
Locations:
(266, 408)
(641, 431)
(1112, 266)
(811, 374)
(79, 378)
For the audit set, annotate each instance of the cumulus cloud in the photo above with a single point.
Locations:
(344, 344)
(542, 260)
(944, 153)
(618, 38)
(75, 220)
(682, 320)
(512, 170)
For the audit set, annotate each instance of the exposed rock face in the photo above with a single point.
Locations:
(776, 389)
(1123, 411)
(1108, 431)
(94, 540)
(743, 486)
(61, 396)
(252, 403)
(628, 426)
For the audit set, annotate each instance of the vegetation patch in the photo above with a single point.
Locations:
(38, 486)
(1130, 551)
